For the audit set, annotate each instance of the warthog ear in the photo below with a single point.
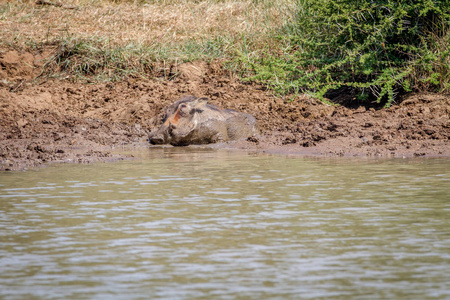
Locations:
(198, 105)
(200, 102)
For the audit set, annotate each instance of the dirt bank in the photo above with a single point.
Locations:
(62, 121)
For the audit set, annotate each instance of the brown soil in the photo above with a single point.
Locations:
(61, 121)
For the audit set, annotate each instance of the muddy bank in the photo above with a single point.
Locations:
(43, 121)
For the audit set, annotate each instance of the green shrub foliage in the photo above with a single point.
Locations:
(378, 48)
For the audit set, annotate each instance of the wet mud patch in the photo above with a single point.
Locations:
(63, 121)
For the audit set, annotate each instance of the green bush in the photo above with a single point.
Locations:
(378, 48)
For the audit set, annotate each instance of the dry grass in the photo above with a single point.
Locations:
(112, 39)
(132, 22)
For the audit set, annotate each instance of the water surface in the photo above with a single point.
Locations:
(196, 224)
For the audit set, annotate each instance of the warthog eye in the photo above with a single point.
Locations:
(196, 110)
(182, 110)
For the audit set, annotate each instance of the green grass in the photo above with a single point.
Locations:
(97, 60)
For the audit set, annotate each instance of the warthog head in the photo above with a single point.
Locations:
(192, 120)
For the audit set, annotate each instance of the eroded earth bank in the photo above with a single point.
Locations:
(44, 120)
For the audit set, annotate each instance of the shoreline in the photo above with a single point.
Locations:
(63, 121)
(142, 151)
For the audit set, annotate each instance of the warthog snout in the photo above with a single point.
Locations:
(156, 140)
(192, 120)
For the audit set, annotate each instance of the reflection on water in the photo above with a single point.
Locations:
(224, 225)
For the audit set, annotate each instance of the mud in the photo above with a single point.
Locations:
(44, 121)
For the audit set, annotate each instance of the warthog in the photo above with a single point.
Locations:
(192, 120)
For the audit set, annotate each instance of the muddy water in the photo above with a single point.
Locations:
(221, 225)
